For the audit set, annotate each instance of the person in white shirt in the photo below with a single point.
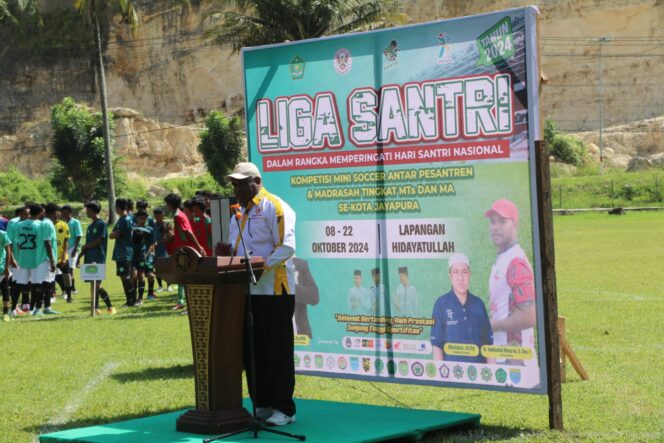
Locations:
(268, 228)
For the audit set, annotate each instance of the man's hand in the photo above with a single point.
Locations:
(52, 266)
(223, 249)
(6, 273)
(202, 251)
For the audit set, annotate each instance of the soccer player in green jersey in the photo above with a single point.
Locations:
(35, 255)
(123, 252)
(5, 259)
(47, 256)
(14, 288)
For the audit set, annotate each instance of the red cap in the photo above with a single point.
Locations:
(505, 208)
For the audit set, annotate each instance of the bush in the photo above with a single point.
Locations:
(188, 186)
(564, 148)
(16, 189)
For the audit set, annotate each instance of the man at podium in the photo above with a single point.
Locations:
(268, 228)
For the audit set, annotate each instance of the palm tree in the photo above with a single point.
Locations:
(10, 9)
(259, 22)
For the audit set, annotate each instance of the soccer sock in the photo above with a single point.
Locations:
(4, 287)
(181, 294)
(73, 282)
(150, 286)
(159, 282)
(104, 296)
(129, 290)
(16, 291)
(59, 280)
(141, 288)
(27, 295)
(37, 297)
(47, 289)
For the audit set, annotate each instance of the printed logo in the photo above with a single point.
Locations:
(496, 44)
(379, 365)
(486, 374)
(431, 370)
(458, 371)
(307, 361)
(296, 358)
(318, 361)
(403, 368)
(444, 49)
(296, 68)
(444, 371)
(354, 363)
(348, 343)
(391, 54)
(417, 369)
(388, 344)
(501, 375)
(366, 364)
(343, 61)
(515, 375)
(329, 362)
(450, 314)
(391, 367)
(472, 372)
(342, 363)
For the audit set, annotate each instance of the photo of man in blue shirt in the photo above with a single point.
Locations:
(460, 317)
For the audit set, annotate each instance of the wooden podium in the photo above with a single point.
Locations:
(216, 289)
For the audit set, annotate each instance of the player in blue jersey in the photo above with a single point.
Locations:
(94, 249)
(143, 261)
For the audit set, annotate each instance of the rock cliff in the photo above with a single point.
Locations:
(168, 72)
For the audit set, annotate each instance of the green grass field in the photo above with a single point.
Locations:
(72, 370)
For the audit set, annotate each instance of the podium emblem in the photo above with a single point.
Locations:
(182, 260)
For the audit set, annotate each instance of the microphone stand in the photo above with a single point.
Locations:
(255, 426)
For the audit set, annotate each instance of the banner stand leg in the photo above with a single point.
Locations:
(93, 293)
(551, 338)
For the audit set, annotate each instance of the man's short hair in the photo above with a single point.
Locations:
(94, 206)
(51, 208)
(403, 270)
(130, 204)
(140, 214)
(189, 204)
(18, 211)
(357, 272)
(199, 203)
(173, 200)
(375, 271)
(35, 209)
(158, 211)
(141, 204)
(122, 204)
(66, 208)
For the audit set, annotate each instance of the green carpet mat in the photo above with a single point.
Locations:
(319, 421)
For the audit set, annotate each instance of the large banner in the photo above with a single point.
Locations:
(408, 156)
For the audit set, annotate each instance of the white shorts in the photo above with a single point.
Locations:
(72, 257)
(40, 274)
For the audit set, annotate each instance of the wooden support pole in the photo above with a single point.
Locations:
(563, 360)
(547, 257)
(576, 363)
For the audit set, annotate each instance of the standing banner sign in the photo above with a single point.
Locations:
(408, 156)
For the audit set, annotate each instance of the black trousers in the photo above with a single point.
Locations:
(273, 343)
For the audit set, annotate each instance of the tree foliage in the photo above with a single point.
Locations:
(564, 148)
(221, 144)
(260, 22)
(78, 151)
(13, 10)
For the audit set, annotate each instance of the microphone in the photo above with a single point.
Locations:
(247, 259)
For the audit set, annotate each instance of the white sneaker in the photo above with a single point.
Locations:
(263, 413)
(278, 418)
